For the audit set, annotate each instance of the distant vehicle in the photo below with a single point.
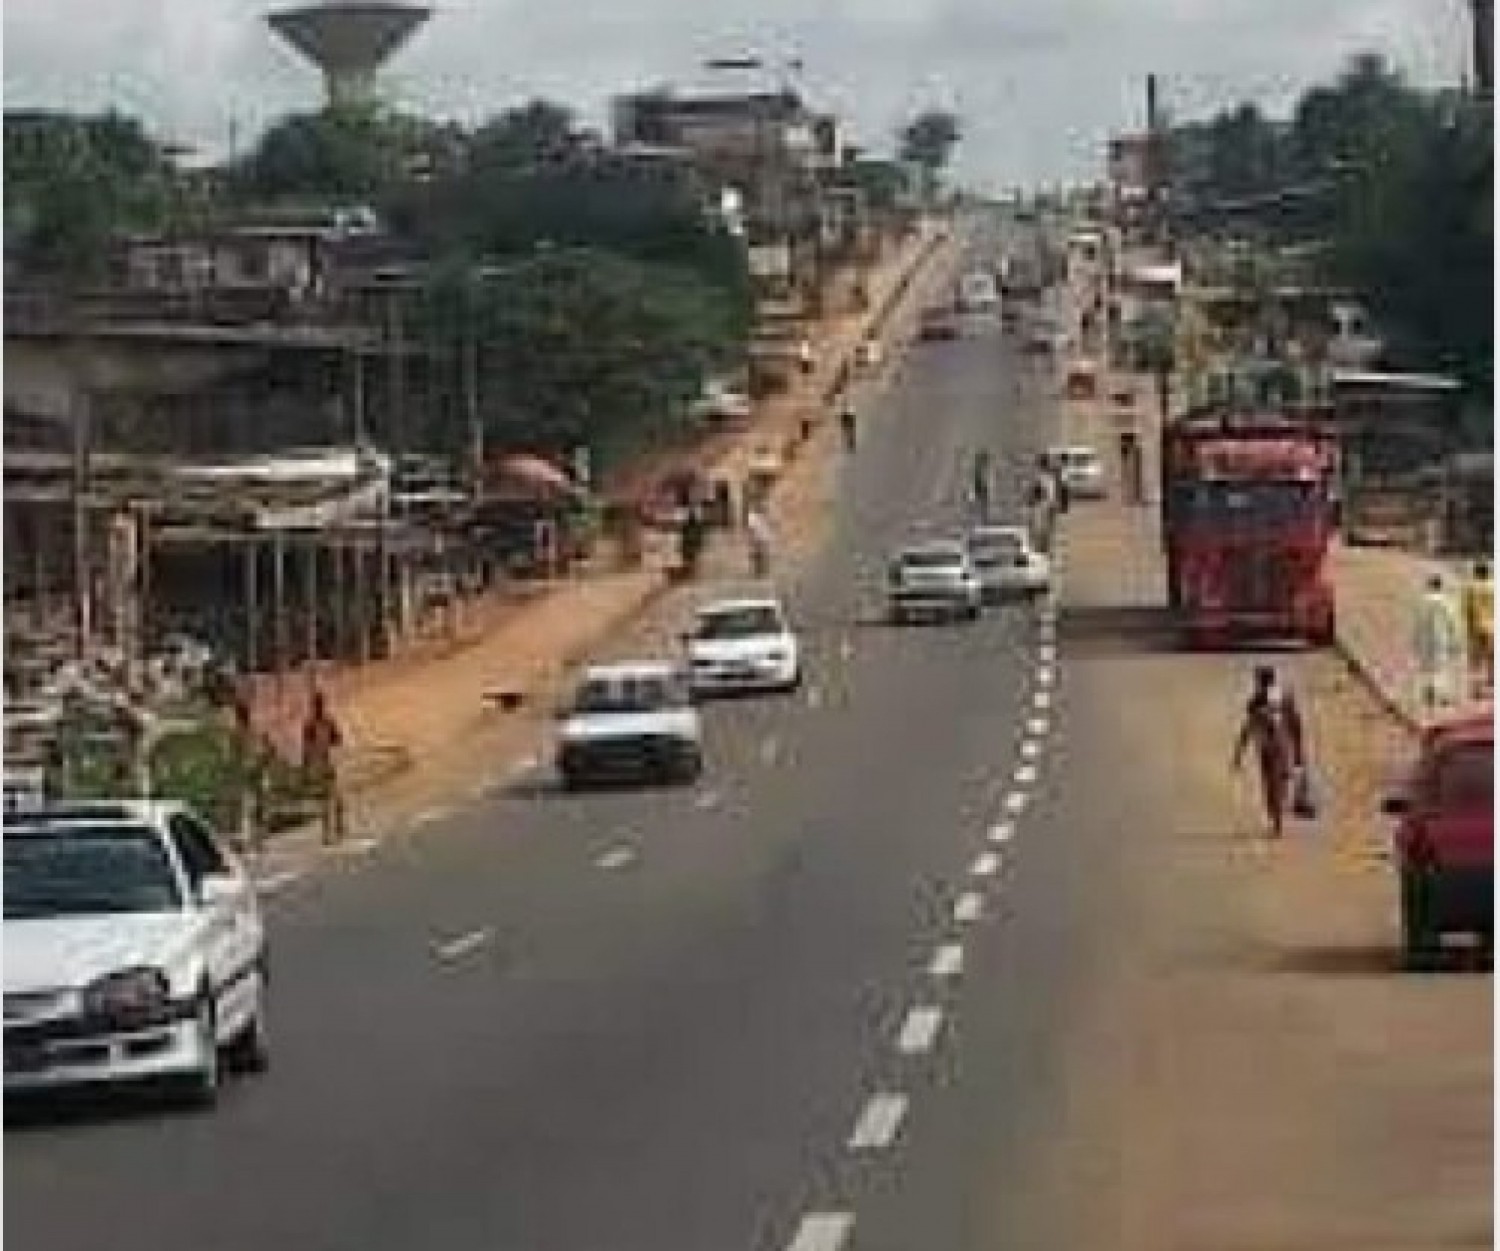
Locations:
(1246, 521)
(978, 292)
(1007, 563)
(134, 950)
(1445, 835)
(934, 579)
(742, 645)
(937, 324)
(722, 403)
(630, 721)
(1081, 471)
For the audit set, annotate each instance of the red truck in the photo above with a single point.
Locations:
(1246, 513)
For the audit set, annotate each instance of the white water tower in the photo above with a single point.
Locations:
(348, 40)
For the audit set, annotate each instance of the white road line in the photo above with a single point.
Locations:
(1030, 749)
(814, 696)
(770, 748)
(616, 858)
(846, 649)
(274, 882)
(354, 847)
(968, 907)
(707, 800)
(1038, 725)
(430, 816)
(947, 961)
(454, 948)
(822, 1231)
(919, 1030)
(1002, 832)
(1046, 653)
(1015, 803)
(1042, 699)
(986, 864)
(878, 1122)
(1045, 675)
(1025, 774)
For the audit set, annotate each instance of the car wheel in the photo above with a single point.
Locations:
(200, 1087)
(250, 1050)
(690, 767)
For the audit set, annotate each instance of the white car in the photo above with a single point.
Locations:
(630, 720)
(1081, 471)
(934, 579)
(134, 950)
(721, 402)
(1007, 563)
(742, 645)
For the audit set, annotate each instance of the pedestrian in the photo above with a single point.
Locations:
(979, 484)
(1272, 725)
(1438, 646)
(805, 356)
(322, 745)
(758, 540)
(1130, 466)
(849, 425)
(1479, 626)
(692, 535)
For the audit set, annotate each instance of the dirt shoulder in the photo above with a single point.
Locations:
(1251, 1068)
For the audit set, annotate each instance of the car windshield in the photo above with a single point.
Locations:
(747, 622)
(996, 547)
(629, 694)
(86, 871)
(930, 558)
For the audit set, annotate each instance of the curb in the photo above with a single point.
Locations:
(1363, 674)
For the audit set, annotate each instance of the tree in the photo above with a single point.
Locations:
(342, 152)
(580, 346)
(927, 142)
(74, 182)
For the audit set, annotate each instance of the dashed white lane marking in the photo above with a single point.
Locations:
(822, 1231)
(616, 857)
(274, 882)
(1038, 725)
(708, 800)
(1042, 699)
(770, 748)
(455, 948)
(1045, 675)
(986, 864)
(814, 696)
(1030, 749)
(1002, 832)
(1046, 653)
(846, 649)
(1025, 774)
(430, 816)
(968, 907)
(1015, 803)
(919, 1030)
(354, 847)
(878, 1122)
(947, 961)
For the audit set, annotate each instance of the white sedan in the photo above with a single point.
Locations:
(134, 950)
(1007, 562)
(742, 645)
(627, 721)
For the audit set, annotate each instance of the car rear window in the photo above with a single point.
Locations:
(1463, 778)
(930, 559)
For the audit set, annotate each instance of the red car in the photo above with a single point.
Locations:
(1445, 835)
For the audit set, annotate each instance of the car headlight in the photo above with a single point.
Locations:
(129, 995)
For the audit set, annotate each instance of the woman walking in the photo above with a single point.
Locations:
(1272, 725)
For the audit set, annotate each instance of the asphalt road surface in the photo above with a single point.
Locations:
(813, 1002)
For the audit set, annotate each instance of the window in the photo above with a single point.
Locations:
(196, 848)
(86, 870)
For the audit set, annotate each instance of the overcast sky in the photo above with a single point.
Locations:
(1038, 83)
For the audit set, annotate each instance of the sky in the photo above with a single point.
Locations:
(1038, 84)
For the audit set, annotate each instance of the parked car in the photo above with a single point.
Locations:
(933, 579)
(722, 403)
(742, 645)
(1007, 563)
(630, 721)
(134, 950)
(1445, 835)
(1081, 471)
(937, 324)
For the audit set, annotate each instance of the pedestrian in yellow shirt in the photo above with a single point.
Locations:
(1479, 625)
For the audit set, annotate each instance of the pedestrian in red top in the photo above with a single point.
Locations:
(1272, 725)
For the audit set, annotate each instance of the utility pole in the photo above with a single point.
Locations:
(1482, 17)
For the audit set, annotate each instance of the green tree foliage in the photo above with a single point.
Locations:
(338, 153)
(73, 182)
(581, 345)
(928, 140)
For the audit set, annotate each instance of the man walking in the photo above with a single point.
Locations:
(758, 540)
(322, 742)
(1272, 725)
(1479, 626)
(848, 425)
(1438, 647)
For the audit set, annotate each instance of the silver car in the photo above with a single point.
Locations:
(935, 579)
(1007, 564)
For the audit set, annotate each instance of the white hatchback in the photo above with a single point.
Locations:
(134, 950)
(742, 645)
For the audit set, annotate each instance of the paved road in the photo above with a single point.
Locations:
(668, 1020)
